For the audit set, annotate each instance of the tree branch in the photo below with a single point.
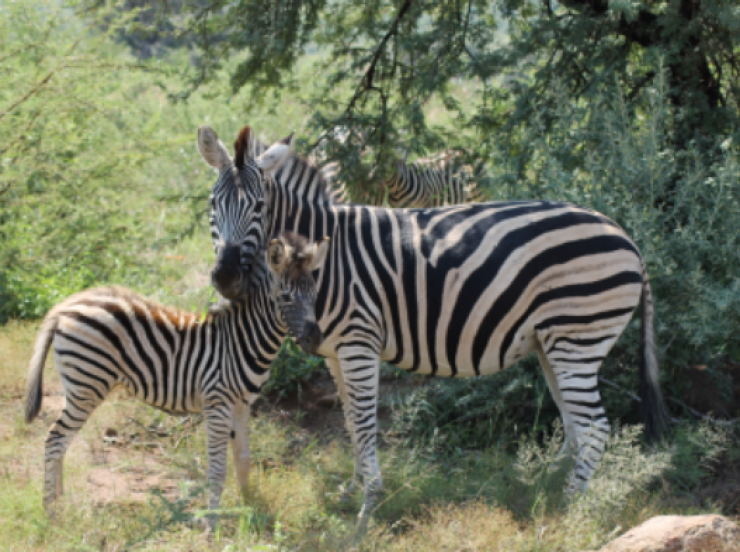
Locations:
(35, 90)
(367, 80)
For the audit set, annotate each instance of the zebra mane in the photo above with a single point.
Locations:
(323, 193)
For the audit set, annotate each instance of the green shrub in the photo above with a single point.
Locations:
(291, 368)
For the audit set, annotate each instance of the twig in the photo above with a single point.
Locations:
(722, 423)
(31, 92)
(367, 80)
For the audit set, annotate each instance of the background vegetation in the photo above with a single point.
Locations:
(629, 108)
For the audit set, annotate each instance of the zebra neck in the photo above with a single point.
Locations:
(249, 332)
(304, 181)
(311, 217)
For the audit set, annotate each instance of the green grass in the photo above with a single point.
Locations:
(501, 498)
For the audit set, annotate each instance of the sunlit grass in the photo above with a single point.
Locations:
(470, 500)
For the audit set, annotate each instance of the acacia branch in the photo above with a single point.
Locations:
(35, 90)
(367, 82)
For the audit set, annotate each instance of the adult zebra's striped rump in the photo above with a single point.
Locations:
(175, 360)
(463, 291)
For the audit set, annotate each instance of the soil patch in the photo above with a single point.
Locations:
(118, 464)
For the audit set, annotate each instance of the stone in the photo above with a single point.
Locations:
(706, 533)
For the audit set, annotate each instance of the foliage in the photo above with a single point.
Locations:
(68, 143)
(475, 413)
(386, 61)
(290, 368)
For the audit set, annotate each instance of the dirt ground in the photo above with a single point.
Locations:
(124, 460)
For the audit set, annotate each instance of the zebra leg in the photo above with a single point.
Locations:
(219, 422)
(570, 443)
(79, 405)
(360, 366)
(574, 361)
(336, 372)
(240, 446)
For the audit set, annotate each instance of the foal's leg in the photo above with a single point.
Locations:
(219, 421)
(80, 402)
(240, 445)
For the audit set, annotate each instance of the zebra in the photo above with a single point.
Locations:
(435, 181)
(463, 291)
(175, 360)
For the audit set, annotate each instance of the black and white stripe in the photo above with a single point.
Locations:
(437, 181)
(173, 360)
(469, 290)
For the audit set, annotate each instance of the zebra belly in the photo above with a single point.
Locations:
(438, 365)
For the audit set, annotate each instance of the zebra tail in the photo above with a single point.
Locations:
(654, 413)
(34, 394)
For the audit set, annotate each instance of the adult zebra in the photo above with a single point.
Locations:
(173, 360)
(436, 181)
(463, 291)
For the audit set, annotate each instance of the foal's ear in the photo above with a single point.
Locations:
(211, 149)
(276, 155)
(278, 254)
(318, 255)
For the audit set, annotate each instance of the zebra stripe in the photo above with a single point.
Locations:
(436, 181)
(170, 359)
(443, 179)
(468, 290)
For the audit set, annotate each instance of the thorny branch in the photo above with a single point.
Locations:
(367, 83)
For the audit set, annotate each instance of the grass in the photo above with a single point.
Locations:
(140, 491)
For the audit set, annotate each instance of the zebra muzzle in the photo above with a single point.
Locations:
(226, 275)
(311, 338)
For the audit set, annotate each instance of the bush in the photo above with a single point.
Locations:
(291, 368)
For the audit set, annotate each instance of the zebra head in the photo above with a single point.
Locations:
(291, 258)
(238, 217)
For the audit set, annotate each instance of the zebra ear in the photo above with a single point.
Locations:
(277, 255)
(211, 149)
(244, 148)
(275, 157)
(320, 250)
(288, 140)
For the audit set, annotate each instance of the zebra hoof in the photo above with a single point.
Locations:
(345, 493)
(206, 523)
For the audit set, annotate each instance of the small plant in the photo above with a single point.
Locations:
(290, 369)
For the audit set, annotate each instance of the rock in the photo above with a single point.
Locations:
(707, 533)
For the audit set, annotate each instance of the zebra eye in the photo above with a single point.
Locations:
(258, 206)
(286, 297)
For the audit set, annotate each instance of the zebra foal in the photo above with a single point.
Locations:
(171, 359)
